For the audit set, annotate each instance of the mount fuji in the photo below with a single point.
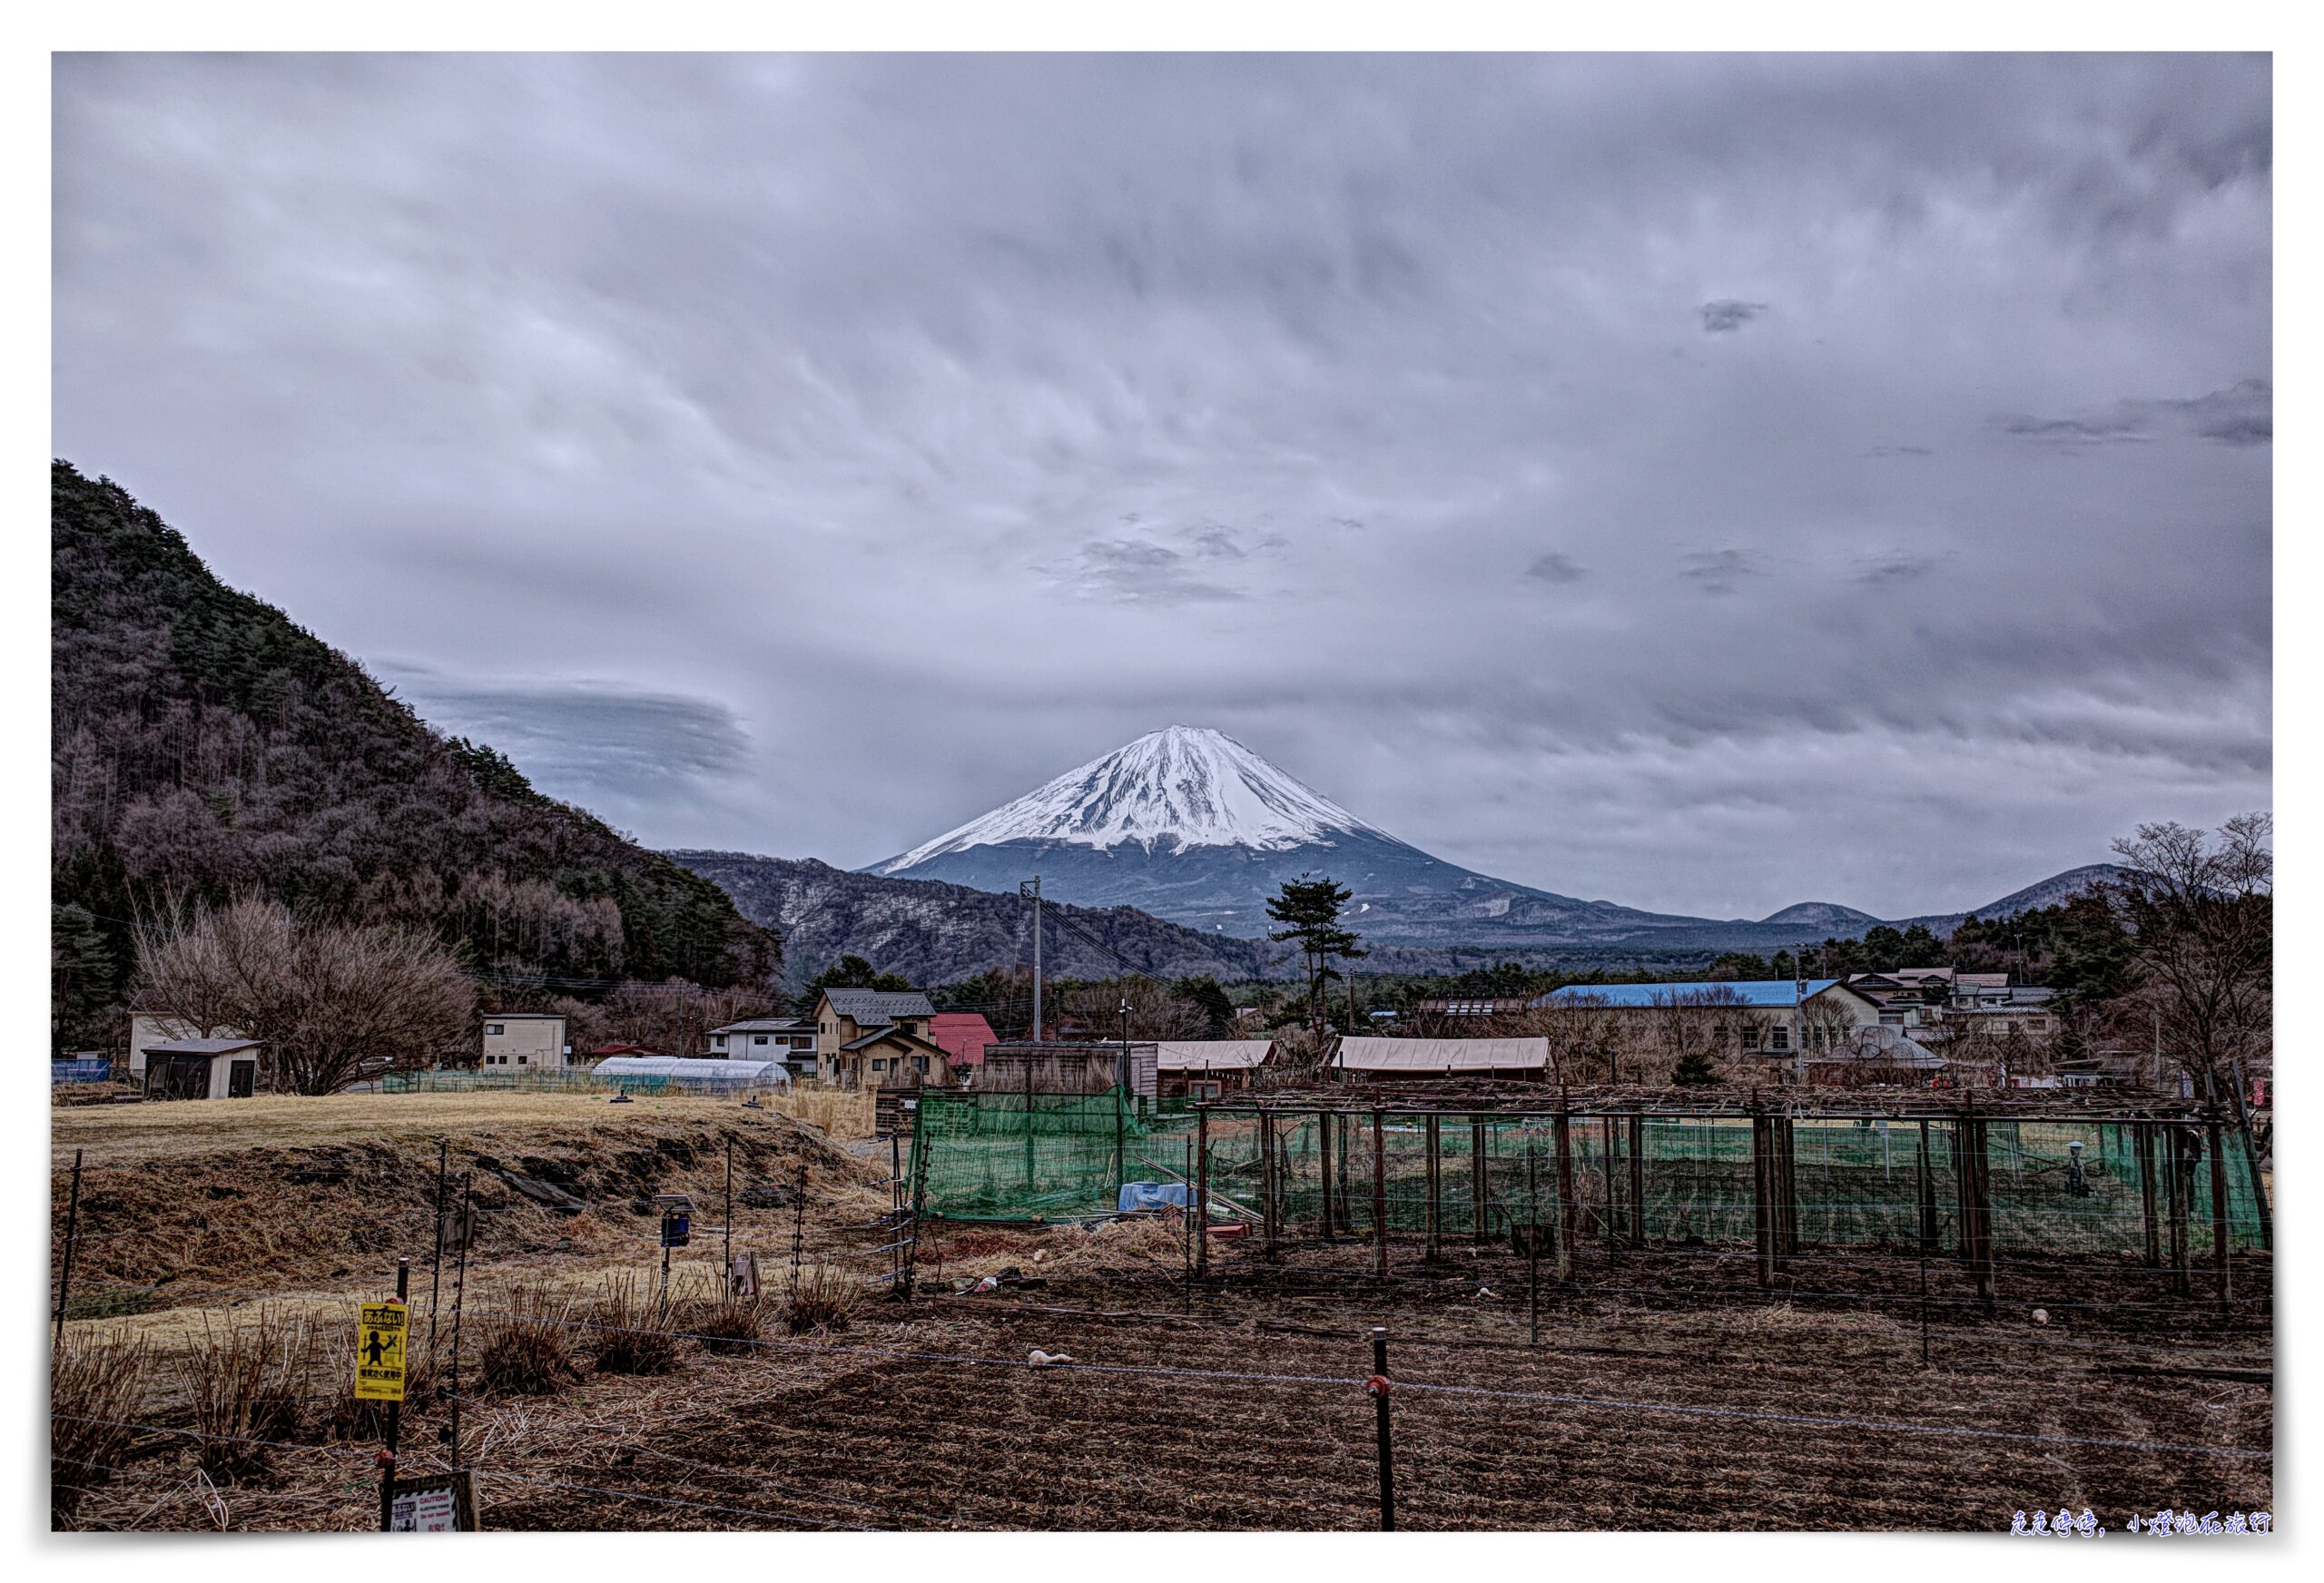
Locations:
(1190, 825)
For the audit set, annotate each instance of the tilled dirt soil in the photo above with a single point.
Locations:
(1715, 1412)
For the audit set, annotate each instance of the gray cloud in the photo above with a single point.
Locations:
(1727, 315)
(606, 745)
(2242, 414)
(1719, 571)
(1896, 566)
(963, 416)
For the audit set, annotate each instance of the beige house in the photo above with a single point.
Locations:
(877, 1038)
(530, 1041)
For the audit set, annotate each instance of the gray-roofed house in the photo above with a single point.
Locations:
(877, 1038)
(202, 1068)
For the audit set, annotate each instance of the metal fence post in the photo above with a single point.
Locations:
(72, 1233)
(1378, 1386)
(395, 1410)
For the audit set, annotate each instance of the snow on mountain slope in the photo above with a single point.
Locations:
(1185, 784)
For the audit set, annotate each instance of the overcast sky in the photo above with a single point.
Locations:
(1703, 484)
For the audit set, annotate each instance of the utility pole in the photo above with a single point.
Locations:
(1032, 887)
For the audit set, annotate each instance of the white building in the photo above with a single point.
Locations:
(531, 1041)
(788, 1040)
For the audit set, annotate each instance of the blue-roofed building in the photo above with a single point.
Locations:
(1785, 993)
(1767, 1019)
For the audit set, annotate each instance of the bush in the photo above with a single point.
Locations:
(523, 1344)
(723, 1324)
(629, 1331)
(245, 1381)
(94, 1388)
(822, 1298)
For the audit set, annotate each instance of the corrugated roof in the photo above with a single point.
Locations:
(201, 1047)
(1760, 992)
(866, 1006)
(1211, 1055)
(1444, 1055)
(766, 1025)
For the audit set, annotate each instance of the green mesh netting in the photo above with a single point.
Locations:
(1020, 1156)
(1857, 1183)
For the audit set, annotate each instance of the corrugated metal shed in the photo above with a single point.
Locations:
(1777, 993)
(1442, 1055)
(1211, 1055)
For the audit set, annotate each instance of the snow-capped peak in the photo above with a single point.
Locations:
(1197, 787)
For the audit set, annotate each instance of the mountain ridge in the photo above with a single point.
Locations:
(1191, 826)
(205, 746)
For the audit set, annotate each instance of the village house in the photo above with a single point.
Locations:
(963, 1037)
(788, 1040)
(1206, 1068)
(532, 1041)
(1766, 1019)
(877, 1038)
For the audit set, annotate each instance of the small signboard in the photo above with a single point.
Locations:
(379, 1352)
(437, 1503)
(745, 1279)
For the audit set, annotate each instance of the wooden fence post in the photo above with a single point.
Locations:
(1637, 1181)
(2220, 1237)
(1202, 1192)
(1380, 1195)
(2142, 1141)
(1435, 1184)
(1324, 1121)
(2182, 1189)
(1268, 1209)
(1569, 1219)
(1762, 1192)
(1477, 1179)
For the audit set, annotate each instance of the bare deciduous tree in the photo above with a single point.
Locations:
(1156, 1011)
(331, 1004)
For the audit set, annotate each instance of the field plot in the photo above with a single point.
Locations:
(1664, 1390)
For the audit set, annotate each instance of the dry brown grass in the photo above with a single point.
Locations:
(245, 1380)
(840, 1113)
(824, 1297)
(722, 1324)
(628, 1328)
(522, 1342)
(95, 1386)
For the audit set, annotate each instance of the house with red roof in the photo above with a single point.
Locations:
(963, 1035)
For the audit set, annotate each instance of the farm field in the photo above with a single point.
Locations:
(1664, 1390)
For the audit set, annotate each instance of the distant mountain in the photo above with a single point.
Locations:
(1191, 826)
(1824, 917)
(2047, 892)
(203, 746)
(933, 932)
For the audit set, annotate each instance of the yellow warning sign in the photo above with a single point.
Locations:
(379, 1353)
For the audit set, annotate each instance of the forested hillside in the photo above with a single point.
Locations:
(933, 932)
(205, 746)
